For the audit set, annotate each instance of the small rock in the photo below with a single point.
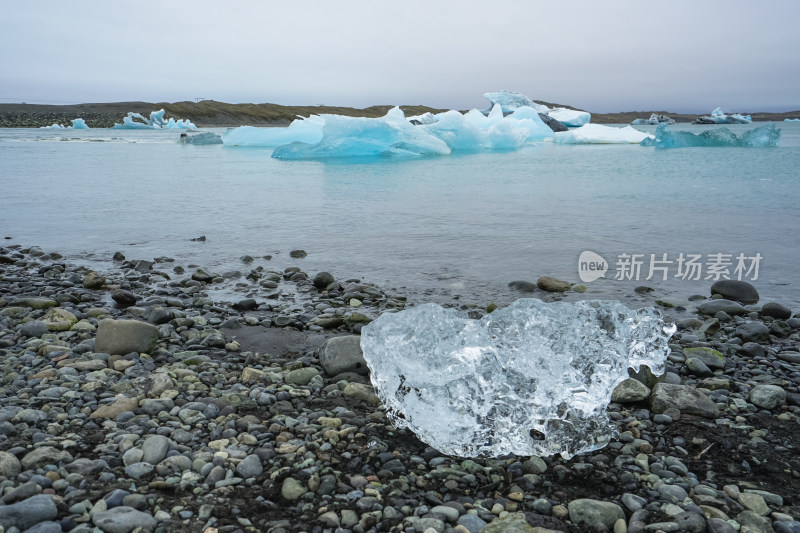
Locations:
(123, 519)
(630, 391)
(93, 280)
(686, 399)
(551, 284)
(343, 354)
(322, 280)
(292, 489)
(589, 512)
(297, 254)
(767, 396)
(776, 310)
(125, 336)
(753, 332)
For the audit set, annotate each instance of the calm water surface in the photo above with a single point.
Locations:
(433, 228)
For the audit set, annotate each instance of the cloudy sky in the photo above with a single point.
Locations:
(601, 56)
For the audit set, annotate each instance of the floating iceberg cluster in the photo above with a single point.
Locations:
(533, 378)
(77, 124)
(765, 136)
(654, 120)
(394, 135)
(597, 134)
(135, 121)
(718, 117)
(510, 101)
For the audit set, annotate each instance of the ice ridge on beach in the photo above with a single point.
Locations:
(765, 136)
(533, 378)
(135, 121)
(395, 135)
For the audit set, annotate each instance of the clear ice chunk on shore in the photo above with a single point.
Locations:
(533, 378)
(763, 137)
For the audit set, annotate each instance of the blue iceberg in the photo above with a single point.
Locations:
(77, 124)
(791, 120)
(304, 130)
(135, 121)
(394, 135)
(765, 136)
(342, 136)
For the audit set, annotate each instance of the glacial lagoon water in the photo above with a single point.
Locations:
(443, 229)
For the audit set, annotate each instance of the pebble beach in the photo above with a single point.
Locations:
(143, 399)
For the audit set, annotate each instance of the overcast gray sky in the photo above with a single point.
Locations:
(599, 55)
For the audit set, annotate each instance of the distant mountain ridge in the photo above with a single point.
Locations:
(210, 113)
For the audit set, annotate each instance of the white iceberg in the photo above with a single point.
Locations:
(510, 101)
(533, 378)
(719, 117)
(791, 120)
(304, 130)
(654, 120)
(425, 118)
(205, 138)
(597, 134)
(570, 117)
(77, 124)
(135, 121)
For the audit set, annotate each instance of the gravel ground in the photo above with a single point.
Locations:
(138, 399)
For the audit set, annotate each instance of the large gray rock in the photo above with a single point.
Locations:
(590, 512)
(687, 400)
(123, 519)
(34, 328)
(767, 396)
(44, 455)
(125, 336)
(712, 307)
(731, 289)
(154, 449)
(343, 354)
(27, 513)
(753, 332)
